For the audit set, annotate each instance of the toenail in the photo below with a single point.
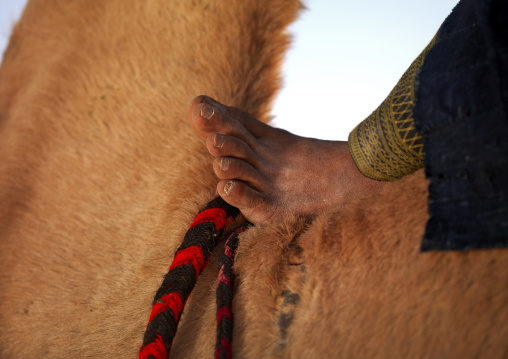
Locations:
(228, 187)
(224, 163)
(207, 111)
(218, 140)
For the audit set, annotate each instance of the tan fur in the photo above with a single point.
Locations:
(101, 174)
(389, 299)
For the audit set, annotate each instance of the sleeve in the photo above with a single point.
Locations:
(386, 146)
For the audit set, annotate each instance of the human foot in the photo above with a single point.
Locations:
(269, 173)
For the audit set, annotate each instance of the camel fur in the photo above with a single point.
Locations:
(101, 175)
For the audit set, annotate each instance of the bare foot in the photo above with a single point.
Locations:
(269, 173)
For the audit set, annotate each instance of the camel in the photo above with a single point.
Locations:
(101, 175)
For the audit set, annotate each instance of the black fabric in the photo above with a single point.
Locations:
(462, 94)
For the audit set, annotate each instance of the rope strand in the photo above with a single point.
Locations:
(225, 280)
(190, 260)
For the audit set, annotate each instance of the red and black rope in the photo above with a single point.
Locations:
(190, 259)
(225, 297)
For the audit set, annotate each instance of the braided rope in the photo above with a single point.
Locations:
(190, 259)
(223, 348)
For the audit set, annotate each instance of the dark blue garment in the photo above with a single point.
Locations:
(461, 111)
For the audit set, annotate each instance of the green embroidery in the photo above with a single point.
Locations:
(386, 146)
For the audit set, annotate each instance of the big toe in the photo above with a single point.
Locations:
(201, 117)
(208, 116)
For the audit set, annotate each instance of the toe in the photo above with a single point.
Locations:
(233, 168)
(252, 124)
(193, 115)
(193, 103)
(208, 116)
(251, 203)
(205, 120)
(223, 145)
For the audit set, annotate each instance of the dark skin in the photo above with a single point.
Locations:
(269, 173)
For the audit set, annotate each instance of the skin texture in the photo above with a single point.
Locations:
(101, 175)
(269, 173)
